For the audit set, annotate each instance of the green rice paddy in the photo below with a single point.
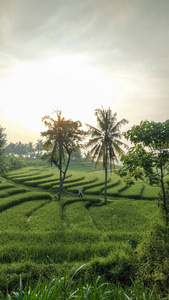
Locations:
(34, 225)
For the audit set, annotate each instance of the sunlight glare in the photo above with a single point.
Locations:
(68, 83)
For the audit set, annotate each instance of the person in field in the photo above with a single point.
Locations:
(80, 192)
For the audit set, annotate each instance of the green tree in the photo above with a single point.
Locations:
(2, 140)
(29, 150)
(63, 138)
(2, 149)
(20, 148)
(149, 157)
(39, 148)
(10, 148)
(104, 143)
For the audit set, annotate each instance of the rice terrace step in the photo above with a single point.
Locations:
(34, 225)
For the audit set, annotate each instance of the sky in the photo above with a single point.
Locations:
(80, 55)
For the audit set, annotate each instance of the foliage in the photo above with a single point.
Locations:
(149, 158)
(15, 156)
(64, 287)
(18, 155)
(25, 150)
(2, 140)
(8, 159)
(104, 142)
(2, 147)
(12, 162)
(63, 139)
(100, 232)
(153, 258)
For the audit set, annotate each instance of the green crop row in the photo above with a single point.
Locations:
(37, 182)
(5, 185)
(46, 179)
(32, 177)
(72, 182)
(76, 234)
(11, 191)
(35, 224)
(150, 192)
(28, 171)
(17, 199)
(133, 191)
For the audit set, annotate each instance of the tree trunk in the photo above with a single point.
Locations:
(66, 168)
(105, 191)
(164, 196)
(60, 168)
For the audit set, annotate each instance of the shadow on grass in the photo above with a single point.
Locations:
(90, 202)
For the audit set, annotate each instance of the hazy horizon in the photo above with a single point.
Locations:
(79, 55)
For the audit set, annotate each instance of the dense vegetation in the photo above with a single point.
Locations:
(121, 237)
(35, 226)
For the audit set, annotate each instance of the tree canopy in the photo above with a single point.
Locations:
(2, 147)
(63, 138)
(149, 157)
(2, 140)
(104, 143)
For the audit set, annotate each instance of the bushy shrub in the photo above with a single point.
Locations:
(153, 258)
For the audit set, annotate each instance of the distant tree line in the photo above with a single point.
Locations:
(25, 150)
(17, 155)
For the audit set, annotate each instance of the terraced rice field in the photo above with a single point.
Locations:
(35, 225)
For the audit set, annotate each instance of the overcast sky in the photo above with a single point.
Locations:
(79, 55)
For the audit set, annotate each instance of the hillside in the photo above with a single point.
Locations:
(34, 225)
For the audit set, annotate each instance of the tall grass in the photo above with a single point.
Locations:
(64, 287)
(73, 231)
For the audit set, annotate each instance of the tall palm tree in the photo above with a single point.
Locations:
(63, 138)
(104, 143)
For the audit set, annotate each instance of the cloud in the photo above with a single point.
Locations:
(125, 42)
(129, 32)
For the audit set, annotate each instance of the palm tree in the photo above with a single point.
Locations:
(63, 138)
(104, 143)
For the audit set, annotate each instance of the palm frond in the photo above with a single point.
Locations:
(93, 141)
(104, 141)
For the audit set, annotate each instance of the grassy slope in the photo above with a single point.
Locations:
(34, 225)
